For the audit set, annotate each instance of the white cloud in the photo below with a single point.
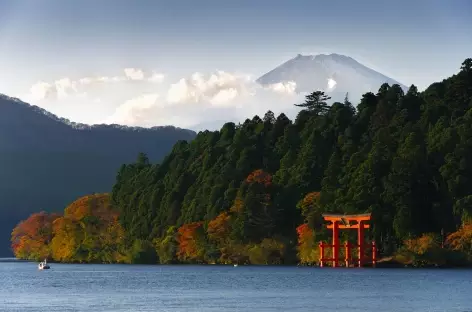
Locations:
(86, 80)
(218, 88)
(103, 79)
(59, 89)
(199, 99)
(203, 99)
(134, 73)
(42, 90)
(134, 111)
(156, 77)
(149, 110)
(224, 96)
(288, 87)
(65, 87)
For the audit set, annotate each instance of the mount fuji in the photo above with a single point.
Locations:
(334, 74)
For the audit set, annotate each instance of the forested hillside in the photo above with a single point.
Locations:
(47, 162)
(403, 157)
(255, 192)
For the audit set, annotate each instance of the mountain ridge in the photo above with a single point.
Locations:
(46, 161)
(83, 126)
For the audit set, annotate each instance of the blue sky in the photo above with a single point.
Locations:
(44, 40)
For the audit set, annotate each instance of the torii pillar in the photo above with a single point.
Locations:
(336, 246)
(344, 222)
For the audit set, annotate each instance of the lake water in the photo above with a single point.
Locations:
(67, 287)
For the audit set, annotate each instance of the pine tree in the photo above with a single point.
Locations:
(315, 102)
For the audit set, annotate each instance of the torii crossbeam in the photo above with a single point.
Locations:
(338, 222)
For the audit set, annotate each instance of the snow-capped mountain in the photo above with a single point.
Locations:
(335, 74)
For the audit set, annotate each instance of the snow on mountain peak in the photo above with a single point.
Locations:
(331, 83)
(332, 73)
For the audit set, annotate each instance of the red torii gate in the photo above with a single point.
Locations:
(344, 222)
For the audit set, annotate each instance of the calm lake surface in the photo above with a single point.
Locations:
(67, 287)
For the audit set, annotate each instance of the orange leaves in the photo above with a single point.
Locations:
(259, 176)
(310, 200)
(311, 209)
(190, 239)
(303, 230)
(305, 234)
(461, 240)
(422, 244)
(220, 227)
(308, 252)
(34, 223)
(30, 238)
(90, 224)
(424, 250)
(88, 231)
(312, 197)
(91, 205)
(66, 239)
(237, 206)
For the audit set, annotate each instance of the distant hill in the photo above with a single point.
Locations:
(46, 162)
(334, 73)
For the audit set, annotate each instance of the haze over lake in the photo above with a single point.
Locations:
(70, 287)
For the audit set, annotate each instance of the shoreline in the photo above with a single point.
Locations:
(381, 265)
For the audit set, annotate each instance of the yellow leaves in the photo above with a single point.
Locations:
(238, 205)
(219, 228)
(310, 200)
(31, 237)
(422, 244)
(190, 241)
(461, 240)
(307, 248)
(89, 225)
(90, 205)
(65, 241)
(427, 250)
(269, 251)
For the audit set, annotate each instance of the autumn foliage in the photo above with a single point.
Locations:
(219, 228)
(88, 231)
(310, 200)
(237, 206)
(422, 244)
(424, 250)
(311, 209)
(259, 176)
(31, 237)
(307, 249)
(190, 242)
(461, 240)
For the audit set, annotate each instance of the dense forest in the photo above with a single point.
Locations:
(255, 192)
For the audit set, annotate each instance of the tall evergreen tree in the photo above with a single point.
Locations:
(316, 103)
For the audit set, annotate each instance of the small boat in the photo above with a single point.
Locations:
(235, 265)
(43, 265)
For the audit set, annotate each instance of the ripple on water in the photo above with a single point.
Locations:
(225, 288)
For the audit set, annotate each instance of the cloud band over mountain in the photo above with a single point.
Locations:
(142, 98)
